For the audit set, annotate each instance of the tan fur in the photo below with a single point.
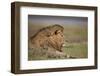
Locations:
(51, 36)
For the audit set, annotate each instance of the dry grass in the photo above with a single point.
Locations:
(75, 47)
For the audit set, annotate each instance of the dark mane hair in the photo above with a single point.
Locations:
(49, 29)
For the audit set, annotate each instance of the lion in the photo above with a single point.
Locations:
(48, 43)
(48, 37)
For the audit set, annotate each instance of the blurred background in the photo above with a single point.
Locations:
(75, 32)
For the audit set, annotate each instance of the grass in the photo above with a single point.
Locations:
(75, 47)
(78, 50)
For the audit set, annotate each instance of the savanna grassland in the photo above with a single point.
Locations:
(75, 43)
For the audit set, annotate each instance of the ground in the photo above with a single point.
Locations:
(75, 45)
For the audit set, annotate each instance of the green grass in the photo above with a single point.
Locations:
(75, 47)
(36, 54)
(78, 50)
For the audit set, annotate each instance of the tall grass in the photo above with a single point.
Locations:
(75, 44)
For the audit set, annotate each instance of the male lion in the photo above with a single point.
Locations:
(51, 36)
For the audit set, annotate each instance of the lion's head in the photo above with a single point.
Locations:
(51, 36)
